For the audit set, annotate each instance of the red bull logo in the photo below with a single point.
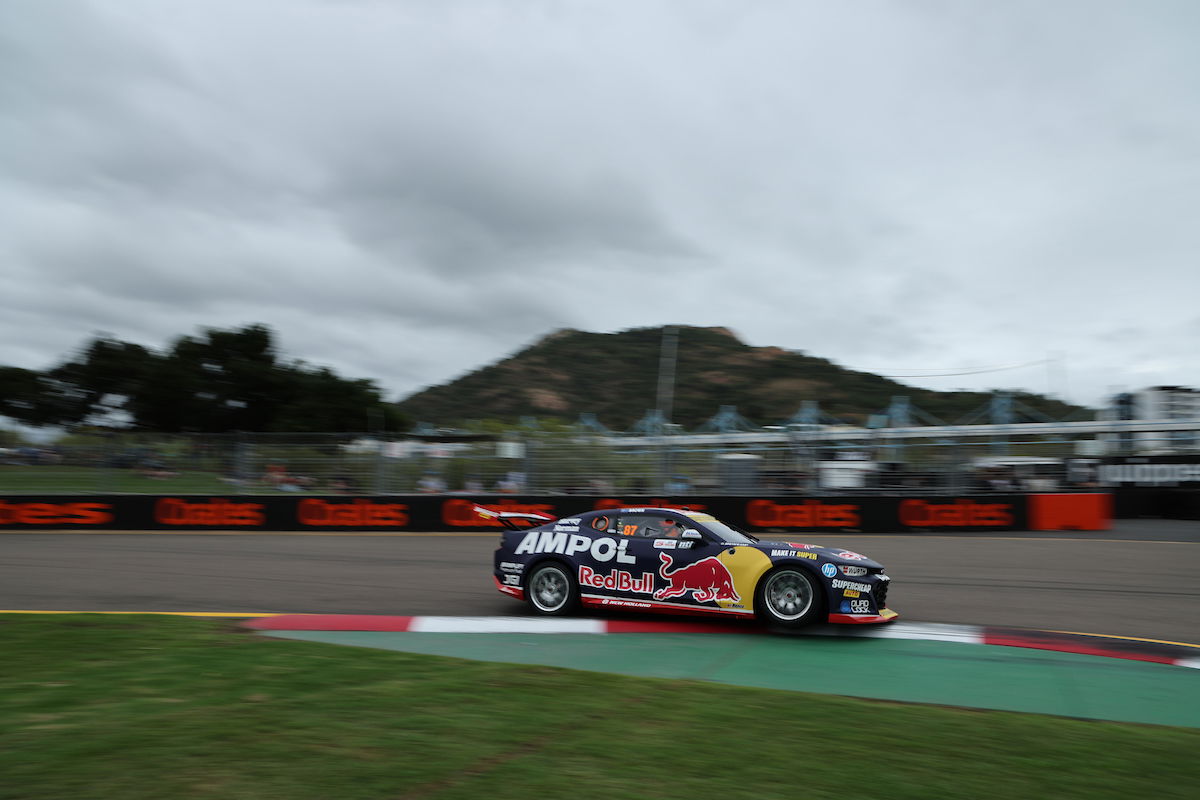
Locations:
(620, 580)
(707, 580)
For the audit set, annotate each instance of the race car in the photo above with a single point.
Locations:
(683, 562)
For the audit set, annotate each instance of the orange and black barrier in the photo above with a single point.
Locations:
(762, 514)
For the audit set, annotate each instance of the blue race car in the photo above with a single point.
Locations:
(682, 562)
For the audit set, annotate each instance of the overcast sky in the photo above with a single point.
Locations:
(406, 191)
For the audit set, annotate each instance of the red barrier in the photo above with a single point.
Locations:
(1070, 512)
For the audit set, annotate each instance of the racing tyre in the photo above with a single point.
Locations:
(552, 589)
(789, 597)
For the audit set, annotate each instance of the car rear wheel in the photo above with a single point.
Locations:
(552, 589)
(789, 596)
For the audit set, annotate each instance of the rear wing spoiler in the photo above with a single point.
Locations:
(514, 520)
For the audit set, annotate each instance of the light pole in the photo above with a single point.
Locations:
(666, 373)
(666, 395)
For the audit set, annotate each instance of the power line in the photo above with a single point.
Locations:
(963, 370)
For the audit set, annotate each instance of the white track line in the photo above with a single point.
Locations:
(505, 625)
(933, 632)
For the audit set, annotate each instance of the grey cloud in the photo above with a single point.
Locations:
(462, 208)
(409, 190)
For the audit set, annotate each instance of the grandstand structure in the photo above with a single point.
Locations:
(1002, 421)
(1002, 445)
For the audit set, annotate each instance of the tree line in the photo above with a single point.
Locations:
(218, 381)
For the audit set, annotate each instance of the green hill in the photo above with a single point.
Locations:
(615, 377)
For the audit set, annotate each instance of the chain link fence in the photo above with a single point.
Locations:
(540, 462)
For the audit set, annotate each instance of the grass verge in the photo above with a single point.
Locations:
(51, 479)
(160, 707)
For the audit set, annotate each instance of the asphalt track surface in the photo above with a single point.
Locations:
(1141, 579)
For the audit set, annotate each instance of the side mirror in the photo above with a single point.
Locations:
(691, 534)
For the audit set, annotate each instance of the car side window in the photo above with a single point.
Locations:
(646, 526)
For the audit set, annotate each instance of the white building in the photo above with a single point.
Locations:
(1173, 403)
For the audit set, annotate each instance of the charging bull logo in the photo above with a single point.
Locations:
(707, 579)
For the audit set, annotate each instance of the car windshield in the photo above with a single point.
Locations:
(721, 530)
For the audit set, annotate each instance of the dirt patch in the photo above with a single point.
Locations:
(796, 387)
(716, 378)
(544, 398)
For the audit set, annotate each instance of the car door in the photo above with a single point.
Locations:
(642, 530)
(685, 571)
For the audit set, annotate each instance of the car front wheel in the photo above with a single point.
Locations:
(552, 589)
(790, 597)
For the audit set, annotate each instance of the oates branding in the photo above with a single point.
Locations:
(924, 514)
(357, 513)
(809, 514)
(214, 512)
(388, 513)
(55, 513)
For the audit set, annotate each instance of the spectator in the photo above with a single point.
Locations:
(600, 486)
(1001, 481)
(509, 484)
(678, 484)
(274, 475)
(431, 484)
(295, 483)
(156, 469)
(341, 484)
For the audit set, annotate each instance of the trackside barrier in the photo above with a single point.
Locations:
(333, 513)
(1138, 502)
